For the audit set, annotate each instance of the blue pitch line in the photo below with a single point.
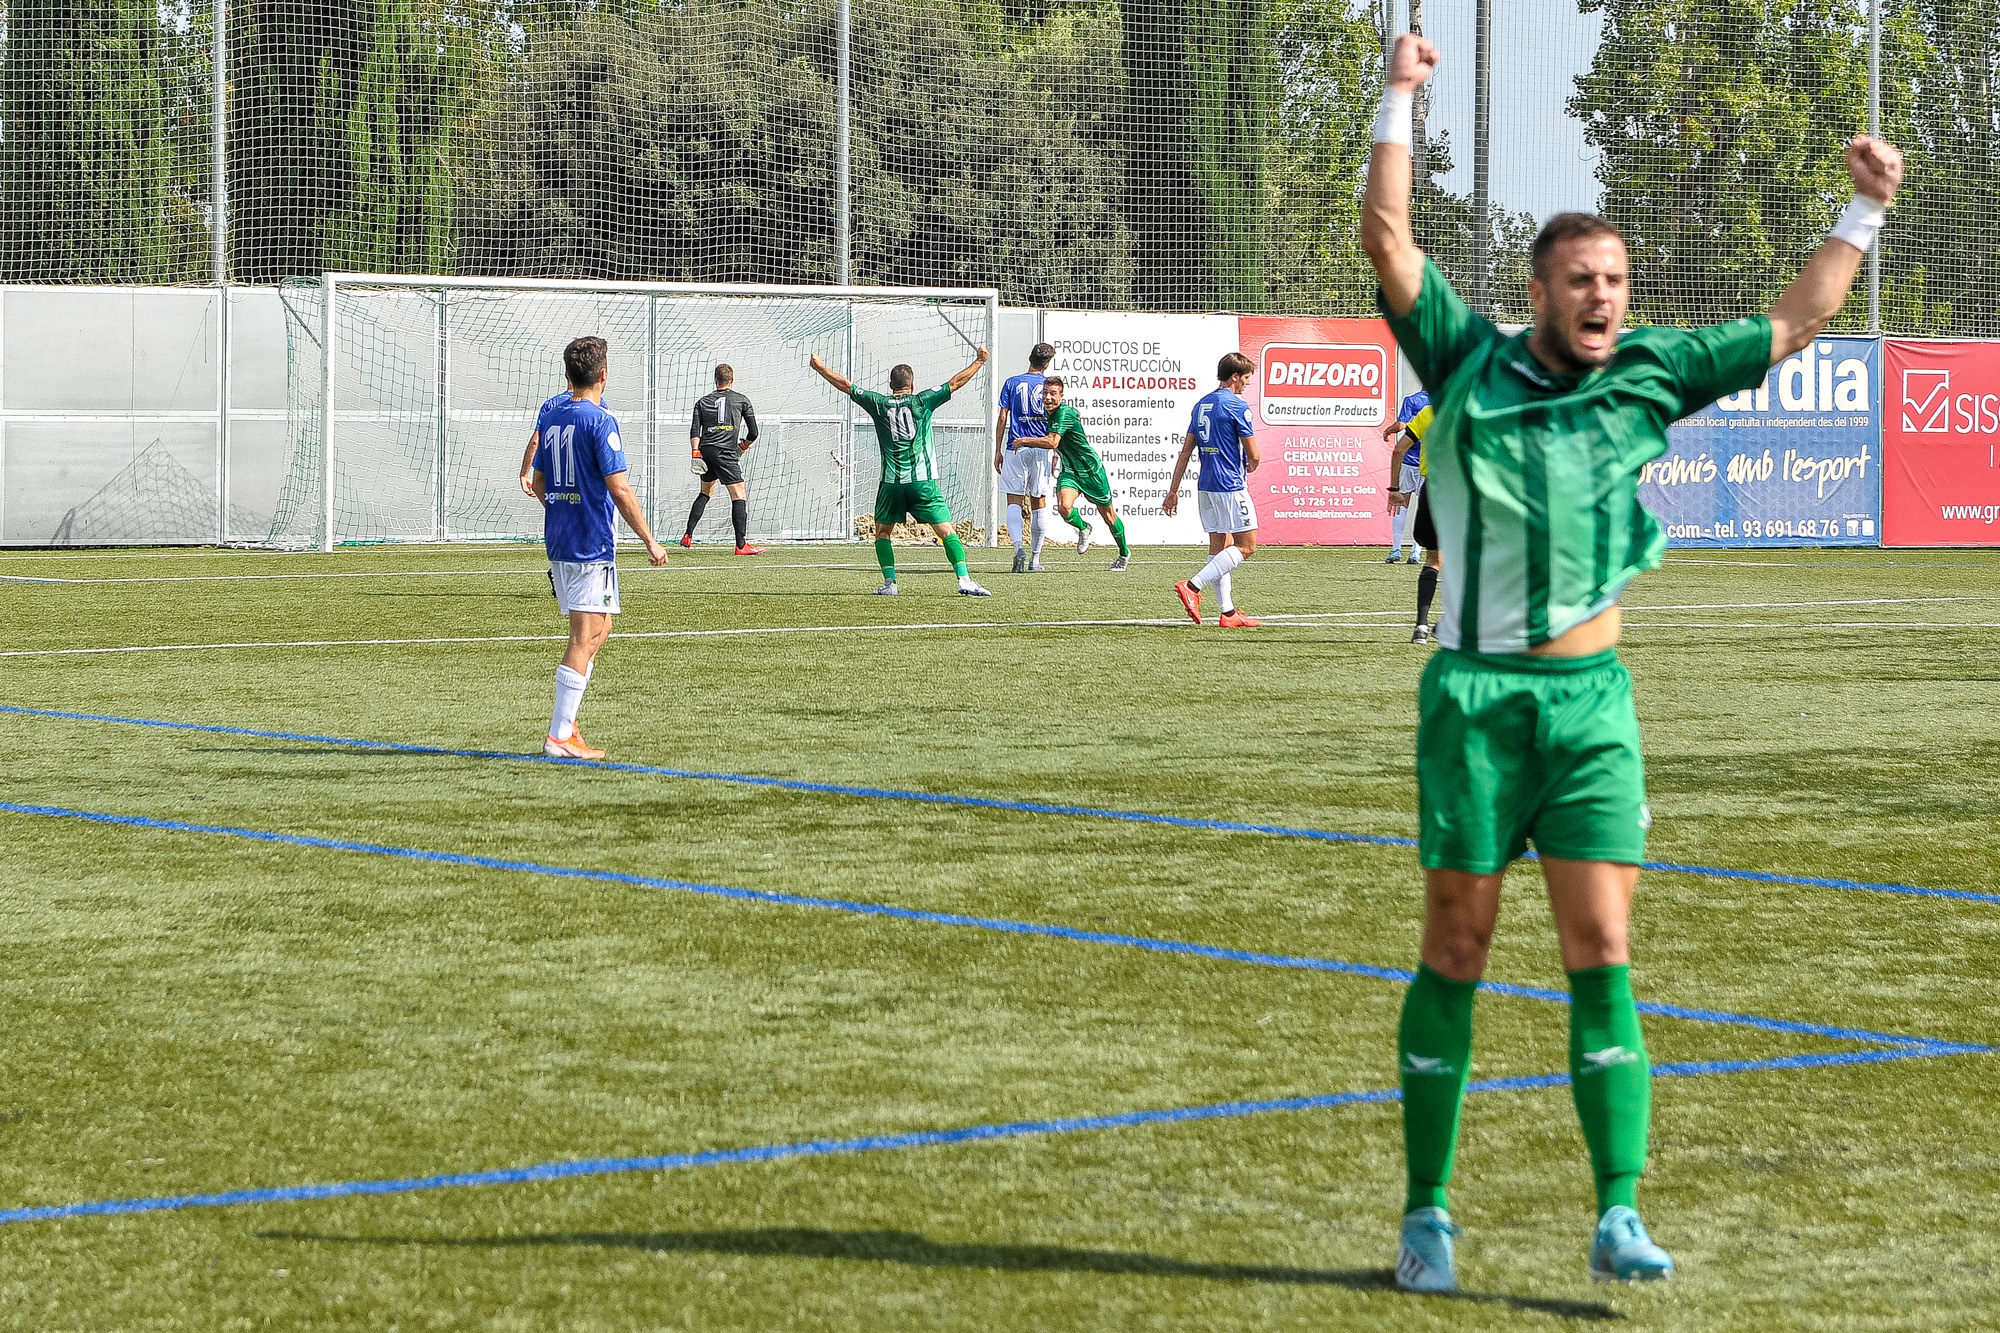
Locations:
(778, 1152)
(1001, 925)
(968, 802)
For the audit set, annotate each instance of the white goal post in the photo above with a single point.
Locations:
(411, 398)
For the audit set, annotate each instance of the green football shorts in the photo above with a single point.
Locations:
(923, 501)
(1092, 486)
(1520, 748)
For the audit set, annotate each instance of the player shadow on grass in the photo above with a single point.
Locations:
(904, 1247)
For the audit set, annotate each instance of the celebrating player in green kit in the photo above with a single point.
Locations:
(1526, 729)
(1082, 472)
(909, 485)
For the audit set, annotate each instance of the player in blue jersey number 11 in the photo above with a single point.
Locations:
(1526, 730)
(578, 473)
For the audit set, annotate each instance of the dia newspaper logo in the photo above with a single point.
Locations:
(1325, 384)
(1927, 401)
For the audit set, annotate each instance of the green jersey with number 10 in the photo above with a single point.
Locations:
(1534, 475)
(903, 429)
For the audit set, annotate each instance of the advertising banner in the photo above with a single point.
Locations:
(1940, 482)
(1793, 462)
(1133, 380)
(1322, 392)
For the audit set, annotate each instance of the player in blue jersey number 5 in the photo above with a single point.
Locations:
(579, 476)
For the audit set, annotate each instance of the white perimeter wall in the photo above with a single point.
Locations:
(108, 414)
(110, 429)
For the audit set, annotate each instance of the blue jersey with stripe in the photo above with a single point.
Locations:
(1220, 423)
(577, 448)
(1021, 396)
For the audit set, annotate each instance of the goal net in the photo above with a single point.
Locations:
(410, 401)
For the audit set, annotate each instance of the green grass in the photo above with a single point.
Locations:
(191, 1013)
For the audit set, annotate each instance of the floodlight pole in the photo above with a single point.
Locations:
(218, 147)
(1482, 143)
(1420, 148)
(1875, 128)
(843, 243)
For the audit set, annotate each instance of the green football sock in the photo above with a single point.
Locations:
(1076, 520)
(1118, 535)
(1434, 1049)
(1610, 1079)
(885, 556)
(954, 551)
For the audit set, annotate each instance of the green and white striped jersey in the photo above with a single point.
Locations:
(1534, 476)
(903, 429)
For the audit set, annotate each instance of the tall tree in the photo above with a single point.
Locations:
(1721, 125)
(1941, 251)
(97, 182)
(1201, 94)
(343, 119)
(696, 144)
(1329, 64)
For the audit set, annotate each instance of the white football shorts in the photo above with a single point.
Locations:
(1226, 511)
(585, 586)
(1027, 472)
(1410, 481)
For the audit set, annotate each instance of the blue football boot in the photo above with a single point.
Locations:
(1423, 1260)
(1623, 1252)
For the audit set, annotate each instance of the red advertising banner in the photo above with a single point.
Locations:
(1322, 392)
(1941, 444)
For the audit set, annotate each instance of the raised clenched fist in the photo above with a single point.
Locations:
(1412, 63)
(1876, 166)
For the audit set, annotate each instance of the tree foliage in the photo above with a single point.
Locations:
(1163, 154)
(1722, 124)
(92, 95)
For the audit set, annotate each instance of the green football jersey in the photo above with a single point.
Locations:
(1076, 452)
(903, 429)
(1534, 476)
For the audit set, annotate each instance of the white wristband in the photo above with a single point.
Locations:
(1859, 222)
(1393, 123)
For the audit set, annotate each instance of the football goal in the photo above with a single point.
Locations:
(410, 399)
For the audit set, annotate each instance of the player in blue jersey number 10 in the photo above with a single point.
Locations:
(578, 474)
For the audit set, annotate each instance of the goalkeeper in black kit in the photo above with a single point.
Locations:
(724, 426)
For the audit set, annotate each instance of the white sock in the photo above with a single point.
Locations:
(1039, 529)
(1223, 599)
(569, 698)
(1014, 523)
(1396, 523)
(1228, 558)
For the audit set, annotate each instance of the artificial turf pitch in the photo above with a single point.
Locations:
(191, 1011)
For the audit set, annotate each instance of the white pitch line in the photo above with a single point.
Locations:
(746, 566)
(417, 573)
(1772, 606)
(1813, 625)
(670, 634)
(1319, 616)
